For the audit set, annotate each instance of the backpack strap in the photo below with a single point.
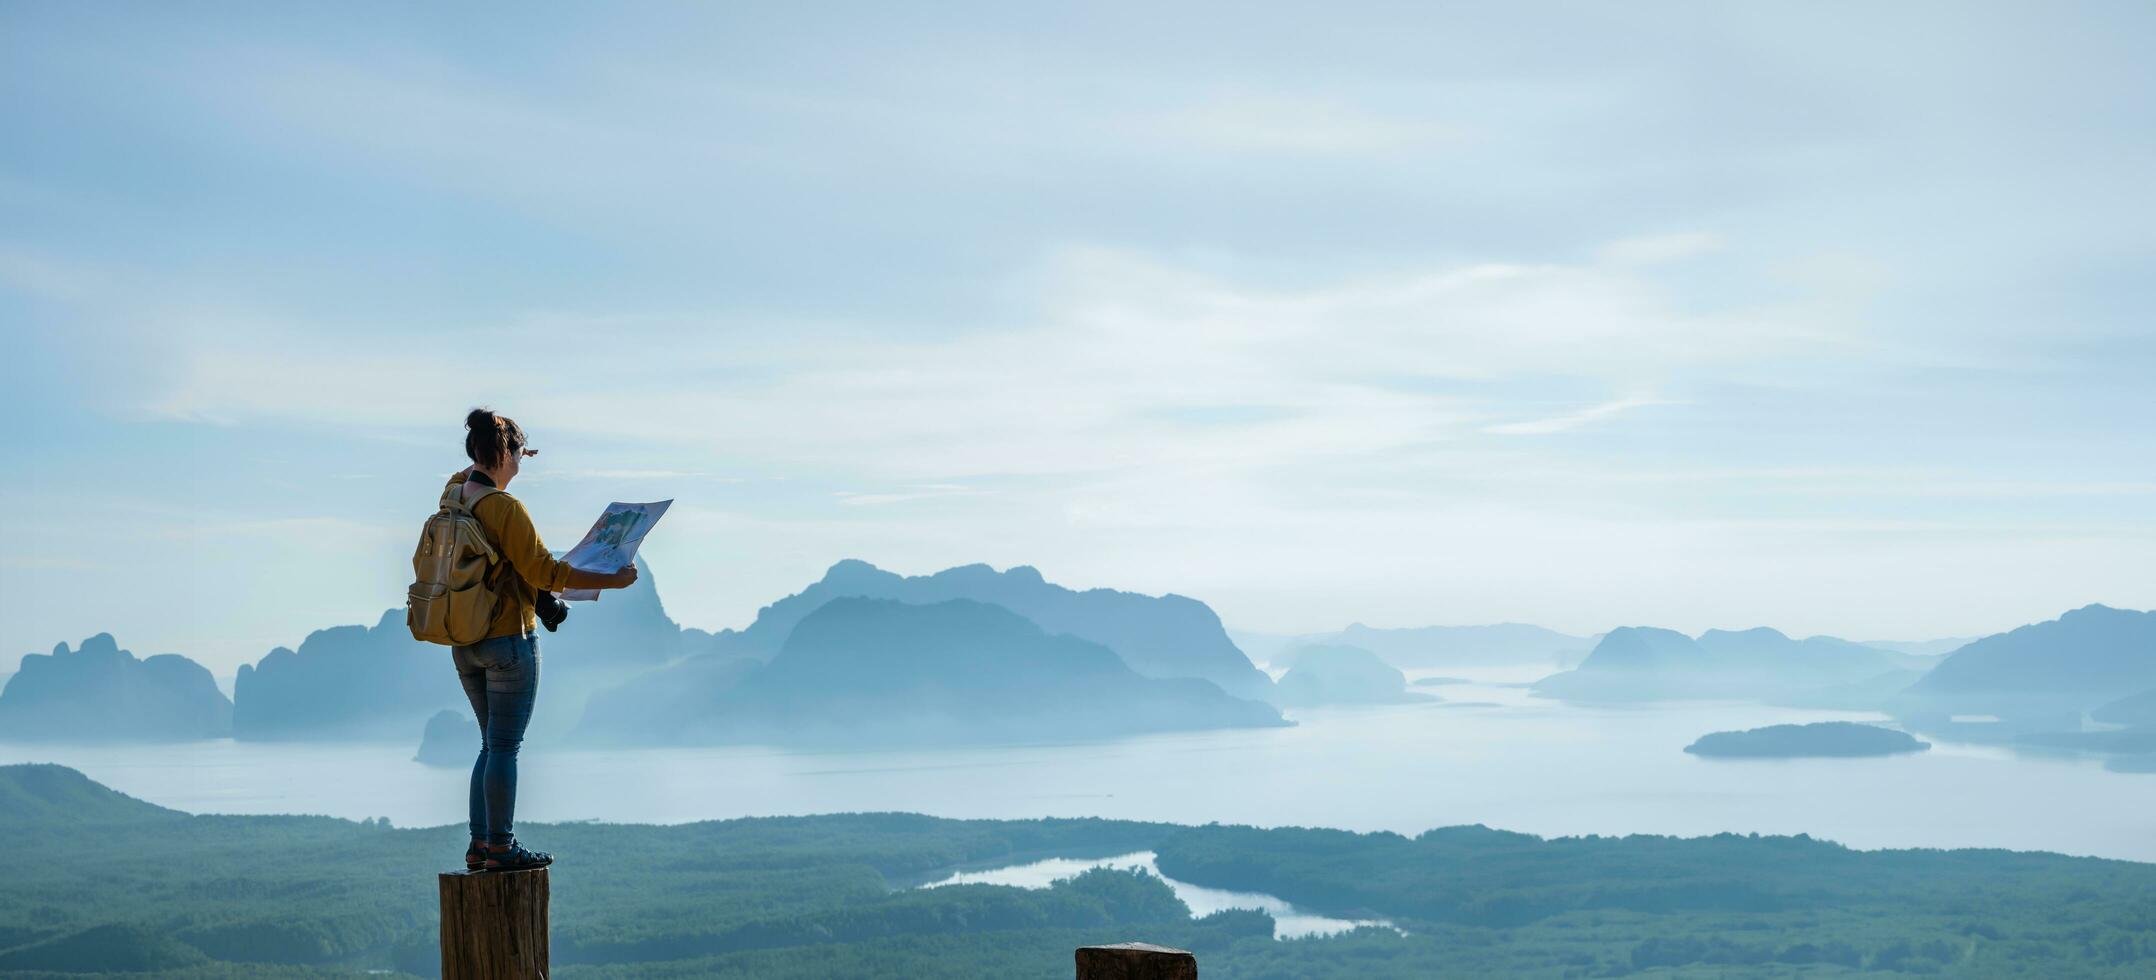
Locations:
(453, 499)
(453, 496)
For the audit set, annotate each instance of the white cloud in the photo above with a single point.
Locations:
(328, 532)
(25, 270)
(49, 563)
(243, 378)
(1110, 347)
(851, 498)
(1658, 249)
(1563, 423)
(1339, 283)
(1276, 123)
(536, 475)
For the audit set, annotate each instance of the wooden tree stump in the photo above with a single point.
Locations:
(1136, 961)
(494, 925)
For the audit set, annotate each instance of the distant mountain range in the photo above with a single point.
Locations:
(375, 682)
(2039, 684)
(1499, 645)
(648, 679)
(1638, 663)
(1158, 636)
(100, 692)
(378, 682)
(861, 671)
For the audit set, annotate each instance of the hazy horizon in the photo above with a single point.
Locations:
(224, 670)
(1830, 319)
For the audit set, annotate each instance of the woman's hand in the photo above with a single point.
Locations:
(582, 579)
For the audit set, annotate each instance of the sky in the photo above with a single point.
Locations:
(1833, 317)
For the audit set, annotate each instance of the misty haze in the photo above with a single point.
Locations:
(1125, 492)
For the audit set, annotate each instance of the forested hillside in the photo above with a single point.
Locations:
(101, 882)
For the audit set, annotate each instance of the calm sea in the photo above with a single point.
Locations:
(1486, 754)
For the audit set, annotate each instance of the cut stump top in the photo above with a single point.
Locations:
(1135, 961)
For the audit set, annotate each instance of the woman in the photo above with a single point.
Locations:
(501, 672)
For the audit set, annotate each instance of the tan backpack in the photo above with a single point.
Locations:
(456, 585)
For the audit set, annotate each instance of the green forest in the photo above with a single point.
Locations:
(99, 883)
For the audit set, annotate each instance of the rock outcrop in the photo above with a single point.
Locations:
(1334, 674)
(1158, 636)
(451, 740)
(857, 671)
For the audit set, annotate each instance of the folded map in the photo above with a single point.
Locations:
(611, 542)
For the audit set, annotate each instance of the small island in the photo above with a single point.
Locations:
(1826, 739)
(450, 741)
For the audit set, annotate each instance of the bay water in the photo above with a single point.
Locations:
(1487, 753)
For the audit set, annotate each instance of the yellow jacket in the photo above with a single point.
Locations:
(509, 526)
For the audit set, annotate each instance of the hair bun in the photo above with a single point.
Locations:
(491, 438)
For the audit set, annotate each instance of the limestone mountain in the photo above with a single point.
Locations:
(2092, 651)
(450, 741)
(2043, 676)
(2135, 710)
(99, 692)
(1323, 674)
(1636, 663)
(344, 682)
(861, 671)
(626, 629)
(378, 682)
(1773, 655)
(1158, 636)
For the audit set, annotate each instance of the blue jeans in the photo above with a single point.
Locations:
(501, 677)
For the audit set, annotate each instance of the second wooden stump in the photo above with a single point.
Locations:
(494, 925)
(1136, 961)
